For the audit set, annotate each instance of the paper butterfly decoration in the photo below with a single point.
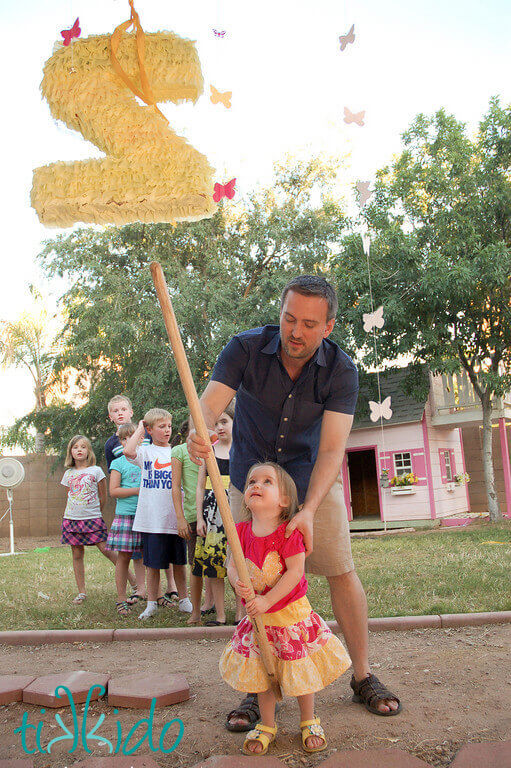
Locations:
(68, 34)
(346, 39)
(380, 409)
(366, 244)
(217, 96)
(354, 117)
(268, 574)
(364, 191)
(373, 319)
(224, 190)
(219, 33)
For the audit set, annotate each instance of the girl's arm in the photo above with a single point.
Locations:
(130, 449)
(295, 569)
(115, 487)
(102, 493)
(183, 529)
(199, 500)
(232, 571)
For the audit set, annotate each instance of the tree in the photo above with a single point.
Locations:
(441, 258)
(27, 342)
(224, 275)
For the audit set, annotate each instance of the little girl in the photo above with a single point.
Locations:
(124, 487)
(210, 551)
(308, 655)
(83, 524)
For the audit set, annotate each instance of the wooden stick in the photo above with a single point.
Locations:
(192, 399)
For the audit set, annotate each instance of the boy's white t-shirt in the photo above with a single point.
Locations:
(82, 498)
(155, 509)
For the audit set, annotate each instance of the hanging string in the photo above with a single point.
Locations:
(146, 94)
(377, 375)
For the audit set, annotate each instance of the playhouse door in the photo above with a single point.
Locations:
(365, 500)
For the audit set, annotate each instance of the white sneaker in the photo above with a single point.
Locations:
(185, 605)
(152, 608)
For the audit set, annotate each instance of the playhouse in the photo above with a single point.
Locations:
(425, 438)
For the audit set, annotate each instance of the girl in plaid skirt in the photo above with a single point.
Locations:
(83, 524)
(125, 486)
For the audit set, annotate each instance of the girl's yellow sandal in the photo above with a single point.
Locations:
(313, 728)
(262, 734)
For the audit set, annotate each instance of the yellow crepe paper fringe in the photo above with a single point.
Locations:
(149, 174)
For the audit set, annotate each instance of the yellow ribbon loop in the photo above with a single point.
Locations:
(146, 94)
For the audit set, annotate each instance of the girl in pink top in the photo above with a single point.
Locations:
(308, 655)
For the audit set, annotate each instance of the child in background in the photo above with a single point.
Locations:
(120, 411)
(124, 486)
(83, 524)
(211, 547)
(155, 517)
(184, 475)
(308, 656)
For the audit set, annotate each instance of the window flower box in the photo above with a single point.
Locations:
(402, 490)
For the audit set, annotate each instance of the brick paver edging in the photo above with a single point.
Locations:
(391, 623)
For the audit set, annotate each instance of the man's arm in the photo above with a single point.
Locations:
(215, 399)
(335, 428)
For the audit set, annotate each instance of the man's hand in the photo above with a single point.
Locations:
(183, 529)
(198, 449)
(258, 605)
(304, 521)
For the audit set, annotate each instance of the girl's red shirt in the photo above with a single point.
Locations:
(257, 548)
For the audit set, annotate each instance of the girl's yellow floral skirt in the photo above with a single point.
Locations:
(308, 655)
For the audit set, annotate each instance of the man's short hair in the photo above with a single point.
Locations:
(313, 285)
(119, 399)
(154, 415)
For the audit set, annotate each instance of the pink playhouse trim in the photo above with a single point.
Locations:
(464, 467)
(428, 466)
(345, 476)
(505, 464)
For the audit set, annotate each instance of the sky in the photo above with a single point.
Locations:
(290, 83)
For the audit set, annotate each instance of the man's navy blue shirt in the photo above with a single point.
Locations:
(278, 419)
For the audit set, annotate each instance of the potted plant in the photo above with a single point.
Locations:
(463, 478)
(403, 484)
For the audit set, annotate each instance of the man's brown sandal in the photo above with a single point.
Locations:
(370, 691)
(248, 708)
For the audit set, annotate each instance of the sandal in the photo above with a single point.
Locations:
(216, 623)
(262, 734)
(173, 597)
(369, 692)
(80, 597)
(312, 728)
(164, 602)
(207, 611)
(123, 608)
(135, 598)
(248, 708)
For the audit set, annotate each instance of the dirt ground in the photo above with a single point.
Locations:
(454, 684)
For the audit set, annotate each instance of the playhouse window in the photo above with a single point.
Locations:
(402, 463)
(448, 467)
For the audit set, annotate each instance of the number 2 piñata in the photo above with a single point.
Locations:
(149, 173)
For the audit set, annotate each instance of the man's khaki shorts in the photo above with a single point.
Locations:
(331, 555)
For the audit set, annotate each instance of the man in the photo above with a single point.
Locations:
(296, 393)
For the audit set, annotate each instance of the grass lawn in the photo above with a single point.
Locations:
(452, 571)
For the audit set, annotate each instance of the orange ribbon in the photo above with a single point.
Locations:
(146, 93)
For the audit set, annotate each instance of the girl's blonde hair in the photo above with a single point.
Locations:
(91, 456)
(287, 488)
